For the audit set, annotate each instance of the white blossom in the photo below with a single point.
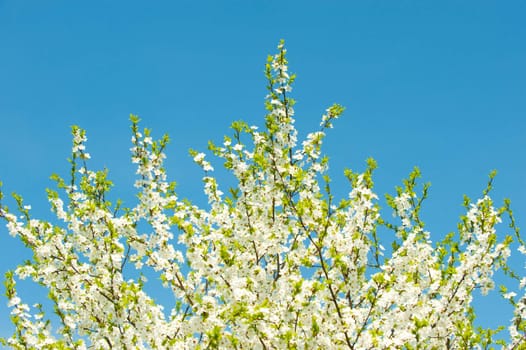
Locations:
(275, 262)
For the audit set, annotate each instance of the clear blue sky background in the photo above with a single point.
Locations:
(441, 85)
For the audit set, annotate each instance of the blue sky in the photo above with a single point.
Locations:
(440, 85)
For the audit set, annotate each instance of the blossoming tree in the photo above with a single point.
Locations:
(274, 263)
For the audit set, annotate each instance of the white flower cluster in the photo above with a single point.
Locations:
(276, 264)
